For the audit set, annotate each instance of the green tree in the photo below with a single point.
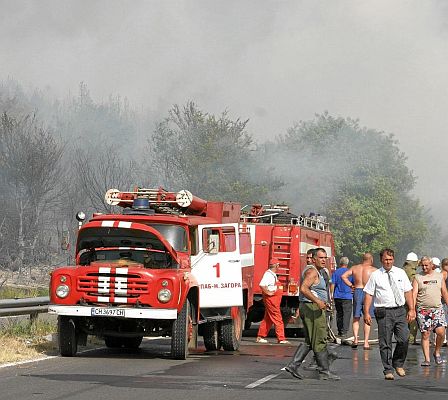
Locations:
(208, 155)
(365, 219)
(356, 176)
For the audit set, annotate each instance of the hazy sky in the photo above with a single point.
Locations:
(274, 62)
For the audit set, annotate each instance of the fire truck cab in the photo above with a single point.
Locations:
(171, 265)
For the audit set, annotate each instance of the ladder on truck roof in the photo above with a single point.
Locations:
(281, 250)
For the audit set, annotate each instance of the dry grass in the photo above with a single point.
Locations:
(22, 339)
(15, 349)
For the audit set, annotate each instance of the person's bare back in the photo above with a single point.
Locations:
(360, 272)
(366, 272)
(360, 275)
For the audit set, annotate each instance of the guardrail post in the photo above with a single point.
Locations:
(33, 318)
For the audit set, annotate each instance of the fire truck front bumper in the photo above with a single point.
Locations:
(118, 312)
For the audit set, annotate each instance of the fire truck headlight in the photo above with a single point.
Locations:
(164, 295)
(62, 291)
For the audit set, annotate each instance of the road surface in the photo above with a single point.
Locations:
(254, 372)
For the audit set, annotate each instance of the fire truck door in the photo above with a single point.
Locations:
(217, 266)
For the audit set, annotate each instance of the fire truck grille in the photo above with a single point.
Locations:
(119, 288)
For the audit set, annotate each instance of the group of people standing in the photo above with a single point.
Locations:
(402, 300)
(395, 297)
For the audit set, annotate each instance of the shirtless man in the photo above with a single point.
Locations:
(361, 274)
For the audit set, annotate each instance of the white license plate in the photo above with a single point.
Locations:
(107, 312)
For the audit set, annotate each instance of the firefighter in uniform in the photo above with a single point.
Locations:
(313, 304)
(272, 296)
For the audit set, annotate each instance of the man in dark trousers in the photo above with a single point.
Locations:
(343, 297)
(314, 301)
(390, 289)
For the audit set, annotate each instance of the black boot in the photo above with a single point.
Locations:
(332, 357)
(297, 360)
(312, 366)
(323, 362)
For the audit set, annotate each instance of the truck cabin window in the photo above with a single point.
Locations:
(219, 240)
(210, 240)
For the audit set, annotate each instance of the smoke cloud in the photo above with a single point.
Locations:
(272, 62)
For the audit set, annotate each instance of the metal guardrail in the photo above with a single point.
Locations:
(29, 306)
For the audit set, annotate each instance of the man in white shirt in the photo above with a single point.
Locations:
(390, 289)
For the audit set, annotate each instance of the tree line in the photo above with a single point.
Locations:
(59, 157)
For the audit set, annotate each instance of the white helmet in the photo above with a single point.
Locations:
(436, 261)
(412, 257)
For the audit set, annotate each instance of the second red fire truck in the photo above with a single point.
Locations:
(286, 237)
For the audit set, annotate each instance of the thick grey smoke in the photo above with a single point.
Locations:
(272, 62)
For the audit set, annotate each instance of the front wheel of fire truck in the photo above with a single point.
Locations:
(68, 337)
(212, 337)
(182, 332)
(232, 329)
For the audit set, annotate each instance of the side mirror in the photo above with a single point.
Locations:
(80, 216)
(213, 244)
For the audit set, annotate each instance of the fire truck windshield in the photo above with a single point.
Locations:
(175, 235)
(134, 245)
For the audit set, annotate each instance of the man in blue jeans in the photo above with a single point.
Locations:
(343, 298)
(360, 274)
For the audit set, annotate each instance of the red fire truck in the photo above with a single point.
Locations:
(287, 237)
(170, 265)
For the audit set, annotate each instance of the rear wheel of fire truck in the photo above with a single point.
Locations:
(232, 329)
(68, 337)
(212, 337)
(182, 333)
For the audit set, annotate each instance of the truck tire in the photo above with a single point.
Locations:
(182, 333)
(255, 314)
(232, 329)
(286, 315)
(68, 337)
(132, 342)
(112, 342)
(212, 336)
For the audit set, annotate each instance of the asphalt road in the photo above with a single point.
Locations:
(254, 372)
